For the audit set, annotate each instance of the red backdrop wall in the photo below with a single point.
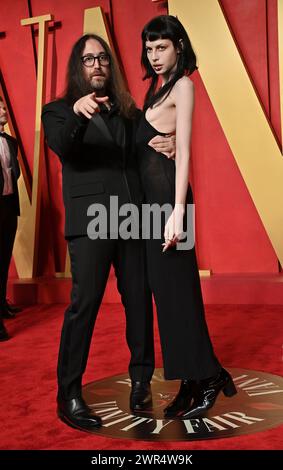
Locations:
(230, 235)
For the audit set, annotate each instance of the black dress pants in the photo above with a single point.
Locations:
(8, 228)
(186, 346)
(90, 265)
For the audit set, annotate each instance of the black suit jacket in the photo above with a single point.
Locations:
(13, 147)
(94, 165)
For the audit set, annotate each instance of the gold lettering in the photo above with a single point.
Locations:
(27, 240)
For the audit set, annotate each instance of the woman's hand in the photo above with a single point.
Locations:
(89, 105)
(174, 228)
(164, 144)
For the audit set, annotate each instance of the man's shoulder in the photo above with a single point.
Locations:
(137, 114)
(59, 104)
(12, 139)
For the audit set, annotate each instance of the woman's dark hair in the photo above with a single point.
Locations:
(166, 27)
(77, 86)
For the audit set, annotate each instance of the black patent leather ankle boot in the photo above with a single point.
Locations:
(182, 401)
(206, 392)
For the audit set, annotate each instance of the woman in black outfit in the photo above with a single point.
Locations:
(173, 272)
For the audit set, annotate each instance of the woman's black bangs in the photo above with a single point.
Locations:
(154, 35)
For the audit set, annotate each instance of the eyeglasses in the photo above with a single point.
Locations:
(89, 60)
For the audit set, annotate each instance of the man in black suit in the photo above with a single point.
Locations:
(9, 211)
(92, 131)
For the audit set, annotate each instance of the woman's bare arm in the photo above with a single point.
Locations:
(183, 96)
(184, 102)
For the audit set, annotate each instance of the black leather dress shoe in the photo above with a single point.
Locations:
(77, 414)
(182, 401)
(140, 397)
(4, 336)
(206, 392)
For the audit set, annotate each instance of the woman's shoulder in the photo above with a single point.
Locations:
(183, 90)
(184, 83)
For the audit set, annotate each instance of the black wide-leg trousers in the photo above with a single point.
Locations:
(90, 265)
(174, 280)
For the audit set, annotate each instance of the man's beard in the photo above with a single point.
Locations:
(98, 84)
(90, 86)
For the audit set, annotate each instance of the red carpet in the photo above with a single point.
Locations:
(244, 336)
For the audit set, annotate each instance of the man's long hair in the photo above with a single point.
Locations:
(77, 86)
